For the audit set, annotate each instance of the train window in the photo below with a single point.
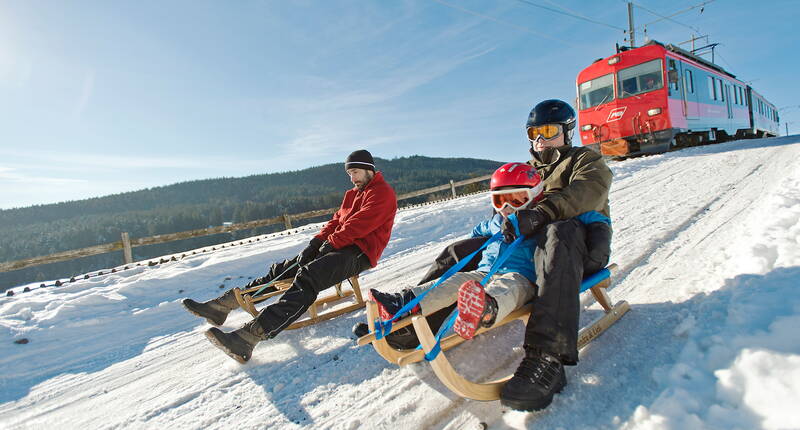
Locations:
(640, 78)
(597, 91)
(721, 90)
(673, 67)
(689, 82)
(712, 88)
(735, 95)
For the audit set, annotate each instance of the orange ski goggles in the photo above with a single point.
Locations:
(547, 131)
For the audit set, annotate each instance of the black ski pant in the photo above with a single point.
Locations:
(565, 252)
(309, 280)
(276, 272)
(559, 263)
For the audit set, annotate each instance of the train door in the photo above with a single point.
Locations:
(728, 101)
(690, 95)
(676, 90)
(729, 127)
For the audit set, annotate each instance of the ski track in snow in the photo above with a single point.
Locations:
(706, 241)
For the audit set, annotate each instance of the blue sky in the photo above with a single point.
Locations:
(100, 97)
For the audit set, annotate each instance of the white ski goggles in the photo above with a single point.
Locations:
(514, 198)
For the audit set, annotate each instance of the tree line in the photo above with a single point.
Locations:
(47, 229)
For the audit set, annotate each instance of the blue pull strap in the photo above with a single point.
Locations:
(588, 282)
(383, 328)
(495, 267)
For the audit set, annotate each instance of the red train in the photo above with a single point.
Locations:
(658, 97)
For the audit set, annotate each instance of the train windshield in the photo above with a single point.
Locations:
(597, 91)
(640, 78)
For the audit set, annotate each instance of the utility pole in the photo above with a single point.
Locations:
(631, 31)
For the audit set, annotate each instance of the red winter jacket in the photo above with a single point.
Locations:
(365, 219)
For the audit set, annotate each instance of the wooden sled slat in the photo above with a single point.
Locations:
(489, 391)
(453, 340)
(407, 356)
(383, 349)
(280, 285)
(443, 369)
(247, 302)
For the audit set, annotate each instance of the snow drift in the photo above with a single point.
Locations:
(706, 240)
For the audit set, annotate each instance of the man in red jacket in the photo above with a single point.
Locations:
(348, 244)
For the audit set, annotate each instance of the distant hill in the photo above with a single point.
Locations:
(45, 229)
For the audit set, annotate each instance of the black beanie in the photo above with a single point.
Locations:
(360, 159)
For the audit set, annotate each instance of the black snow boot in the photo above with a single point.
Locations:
(540, 376)
(214, 311)
(390, 303)
(238, 344)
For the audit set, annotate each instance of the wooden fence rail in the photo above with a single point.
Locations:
(126, 243)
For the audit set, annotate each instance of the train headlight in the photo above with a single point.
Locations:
(613, 60)
(586, 127)
(654, 112)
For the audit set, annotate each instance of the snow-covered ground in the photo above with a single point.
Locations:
(707, 244)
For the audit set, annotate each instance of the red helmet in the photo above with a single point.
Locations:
(516, 185)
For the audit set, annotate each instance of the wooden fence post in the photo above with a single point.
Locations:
(453, 188)
(287, 221)
(126, 248)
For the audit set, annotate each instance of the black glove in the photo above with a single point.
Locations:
(598, 243)
(530, 222)
(325, 248)
(310, 253)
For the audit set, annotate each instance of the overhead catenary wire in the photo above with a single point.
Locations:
(700, 5)
(500, 21)
(664, 18)
(570, 14)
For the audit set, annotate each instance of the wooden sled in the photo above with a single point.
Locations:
(490, 390)
(247, 301)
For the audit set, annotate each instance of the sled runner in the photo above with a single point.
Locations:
(248, 298)
(596, 283)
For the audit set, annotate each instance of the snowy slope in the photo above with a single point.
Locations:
(706, 240)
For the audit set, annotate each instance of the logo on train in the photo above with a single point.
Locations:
(616, 114)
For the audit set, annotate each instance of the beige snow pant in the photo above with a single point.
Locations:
(511, 290)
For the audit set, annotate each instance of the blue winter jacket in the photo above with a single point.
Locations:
(521, 260)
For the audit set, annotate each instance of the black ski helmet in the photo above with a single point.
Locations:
(553, 111)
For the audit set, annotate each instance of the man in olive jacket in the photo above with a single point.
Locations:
(576, 180)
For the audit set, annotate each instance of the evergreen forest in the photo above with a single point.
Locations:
(46, 229)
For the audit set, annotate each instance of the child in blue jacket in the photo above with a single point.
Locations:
(513, 186)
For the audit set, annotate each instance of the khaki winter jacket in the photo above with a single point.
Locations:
(576, 180)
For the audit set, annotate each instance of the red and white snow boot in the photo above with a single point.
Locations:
(475, 309)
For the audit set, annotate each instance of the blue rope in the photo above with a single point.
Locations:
(495, 267)
(383, 328)
(588, 282)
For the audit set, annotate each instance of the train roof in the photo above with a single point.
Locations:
(685, 53)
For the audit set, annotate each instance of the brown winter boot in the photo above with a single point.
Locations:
(238, 344)
(214, 311)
